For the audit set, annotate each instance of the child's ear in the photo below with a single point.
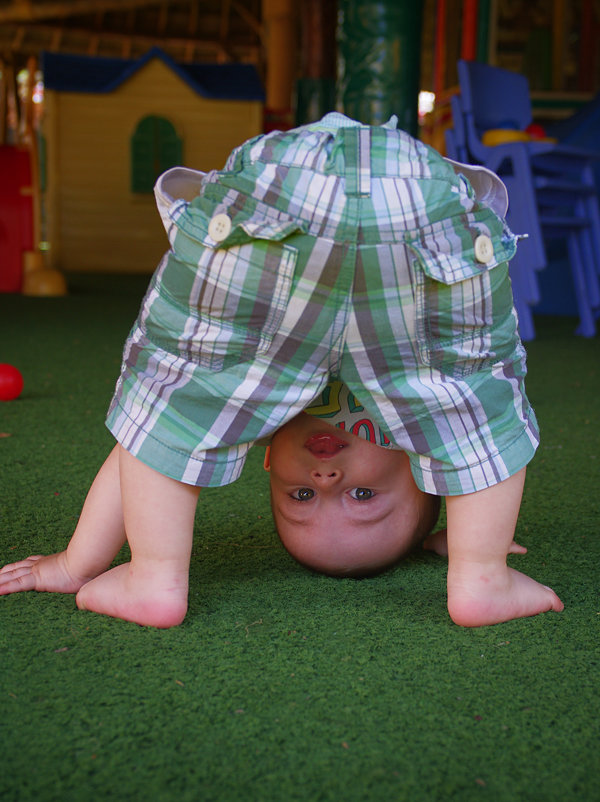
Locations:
(267, 462)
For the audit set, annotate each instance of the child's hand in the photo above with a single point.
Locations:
(49, 573)
(438, 543)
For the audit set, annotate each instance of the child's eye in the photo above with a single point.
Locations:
(303, 494)
(361, 493)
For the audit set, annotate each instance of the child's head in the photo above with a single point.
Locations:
(342, 505)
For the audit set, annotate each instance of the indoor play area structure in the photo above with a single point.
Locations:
(141, 116)
(551, 186)
(22, 263)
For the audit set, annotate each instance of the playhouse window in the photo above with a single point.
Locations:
(155, 147)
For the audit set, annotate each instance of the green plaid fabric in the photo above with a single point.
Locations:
(351, 255)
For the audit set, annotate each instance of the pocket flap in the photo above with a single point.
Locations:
(447, 251)
(261, 222)
(262, 228)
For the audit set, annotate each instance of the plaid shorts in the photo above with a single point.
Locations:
(333, 251)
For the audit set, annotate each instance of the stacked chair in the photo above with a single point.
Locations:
(551, 187)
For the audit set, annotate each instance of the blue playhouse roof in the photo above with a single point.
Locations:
(72, 73)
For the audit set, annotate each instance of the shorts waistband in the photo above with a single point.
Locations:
(311, 174)
(355, 153)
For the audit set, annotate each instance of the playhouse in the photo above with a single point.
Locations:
(111, 126)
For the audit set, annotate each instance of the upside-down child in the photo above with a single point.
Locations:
(336, 252)
(342, 505)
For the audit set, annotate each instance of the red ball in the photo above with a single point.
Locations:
(11, 382)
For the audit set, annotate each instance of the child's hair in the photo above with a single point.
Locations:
(428, 515)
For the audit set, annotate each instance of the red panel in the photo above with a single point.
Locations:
(468, 49)
(16, 215)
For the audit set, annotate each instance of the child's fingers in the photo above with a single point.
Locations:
(17, 579)
(21, 564)
(516, 548)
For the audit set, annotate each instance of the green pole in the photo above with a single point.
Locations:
(379, 55)
(483, 31)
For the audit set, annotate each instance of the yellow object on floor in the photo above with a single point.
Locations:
(500, 136)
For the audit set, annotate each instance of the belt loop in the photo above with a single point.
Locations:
(357, 149)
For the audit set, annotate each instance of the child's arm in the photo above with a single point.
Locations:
(438, 543)
(97, 539)
(482, 589)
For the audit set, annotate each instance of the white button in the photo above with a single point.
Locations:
(484, 249)
(219, 227)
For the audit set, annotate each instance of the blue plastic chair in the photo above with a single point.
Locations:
(551, 186)
(525, 286)
(456, 137)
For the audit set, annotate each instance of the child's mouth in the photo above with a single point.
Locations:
(324, 445)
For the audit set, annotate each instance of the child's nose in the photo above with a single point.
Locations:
(326, 477)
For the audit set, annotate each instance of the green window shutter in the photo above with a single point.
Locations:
(155, 147)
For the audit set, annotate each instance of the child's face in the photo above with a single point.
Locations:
(341, 505)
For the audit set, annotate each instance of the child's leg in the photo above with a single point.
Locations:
(482, 589)
(97, 539)
(159, 513)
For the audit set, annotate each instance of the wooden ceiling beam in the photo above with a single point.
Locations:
(49, 37)
(93, 44)
(19, 11)
(18, 39)
(249, 18)
(224, 24)
(194, 17)
(56, 39)
(163, 17)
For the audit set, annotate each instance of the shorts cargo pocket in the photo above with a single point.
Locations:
(224, 300)
(463, 297)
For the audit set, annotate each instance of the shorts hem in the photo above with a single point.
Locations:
(497, 468)
(209, 470)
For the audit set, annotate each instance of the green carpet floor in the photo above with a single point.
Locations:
(281, 684)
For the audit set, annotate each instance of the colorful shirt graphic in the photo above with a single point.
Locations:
(341, 408)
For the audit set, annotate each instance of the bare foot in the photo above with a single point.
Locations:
(480, 597)
(145, 598)
(50, 573)
(438, 543)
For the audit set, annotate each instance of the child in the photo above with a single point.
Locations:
(325, 517)
(336, 250)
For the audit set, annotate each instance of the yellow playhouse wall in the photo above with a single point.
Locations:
(94, 221)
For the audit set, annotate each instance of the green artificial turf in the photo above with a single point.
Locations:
(282, 684)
